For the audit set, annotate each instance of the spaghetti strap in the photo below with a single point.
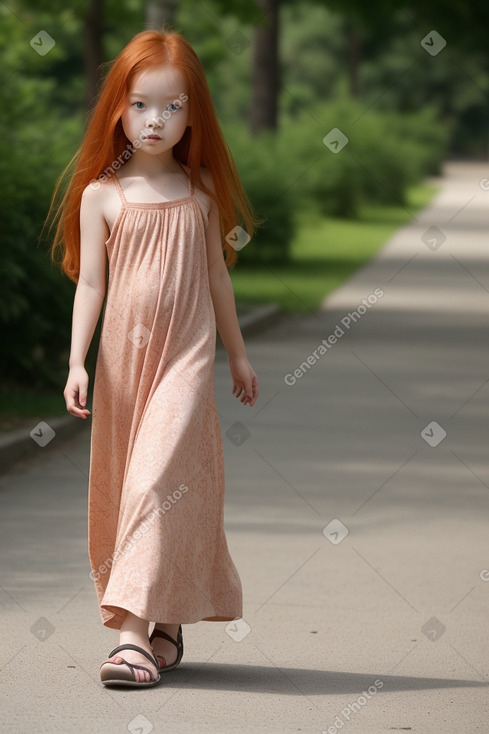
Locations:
(190, 184)
(119, 189)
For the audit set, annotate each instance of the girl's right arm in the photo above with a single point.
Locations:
(89, 297)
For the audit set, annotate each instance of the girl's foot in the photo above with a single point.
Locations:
(164, 648)
(135, 658)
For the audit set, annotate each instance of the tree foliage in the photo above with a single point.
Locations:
(321, 47)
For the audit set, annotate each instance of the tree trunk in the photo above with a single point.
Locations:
(158, 13)
(265, 81)
(92, 49)
(354, 57)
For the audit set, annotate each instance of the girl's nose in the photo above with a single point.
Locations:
(155, 121)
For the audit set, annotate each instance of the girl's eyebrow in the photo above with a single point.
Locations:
(165, 96)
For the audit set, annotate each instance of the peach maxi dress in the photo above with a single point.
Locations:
(156, 540)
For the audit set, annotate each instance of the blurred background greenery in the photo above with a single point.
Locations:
(282, 75)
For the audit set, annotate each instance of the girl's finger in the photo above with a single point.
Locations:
(249, 388)
(79, 412)
(73, 405)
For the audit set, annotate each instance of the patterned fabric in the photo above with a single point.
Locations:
(156, 539)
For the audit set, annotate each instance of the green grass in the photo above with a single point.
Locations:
(325, 252)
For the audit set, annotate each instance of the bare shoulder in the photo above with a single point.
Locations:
(96, 211)
(94, 196)
(100, 200)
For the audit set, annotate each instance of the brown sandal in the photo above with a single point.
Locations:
(178, 643)
(122, 677)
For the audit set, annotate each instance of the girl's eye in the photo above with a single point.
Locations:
(172, 105)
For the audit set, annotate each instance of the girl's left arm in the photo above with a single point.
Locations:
(245, 381)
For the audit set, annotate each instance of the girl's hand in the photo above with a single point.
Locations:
(75, 392)
(245, 381)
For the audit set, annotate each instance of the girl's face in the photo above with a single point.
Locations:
(157, 105)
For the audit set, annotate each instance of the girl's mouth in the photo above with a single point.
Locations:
(152, 137)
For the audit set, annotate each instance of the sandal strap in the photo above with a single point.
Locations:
(129, 646)
(131, 667)
(134, 665)
(166, 636)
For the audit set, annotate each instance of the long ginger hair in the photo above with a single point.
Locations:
(105, 142)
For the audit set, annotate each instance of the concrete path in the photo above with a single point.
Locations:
(356, 512)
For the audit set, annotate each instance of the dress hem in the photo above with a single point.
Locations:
(116, 618)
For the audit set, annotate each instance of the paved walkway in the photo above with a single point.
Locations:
(356, 513)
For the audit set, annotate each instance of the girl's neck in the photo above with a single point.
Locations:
(151, 166)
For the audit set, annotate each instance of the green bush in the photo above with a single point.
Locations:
(35, 300)
(385, 154)
(264, 177)
(429, 136)
(285, 172)
(317, 175)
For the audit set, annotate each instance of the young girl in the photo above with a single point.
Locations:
(155, 194)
